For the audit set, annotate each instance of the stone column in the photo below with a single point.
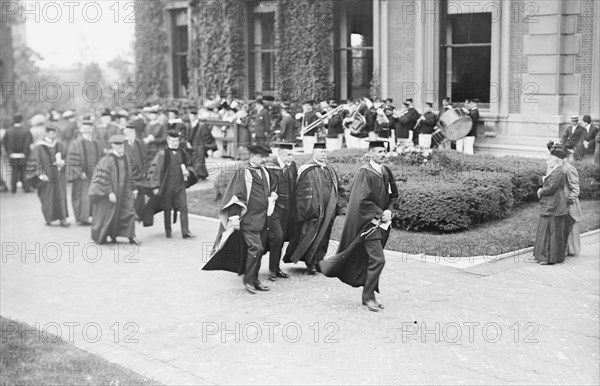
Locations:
(551, 86)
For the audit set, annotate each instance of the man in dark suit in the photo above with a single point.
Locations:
(287, 126)
(283, 172)
(573, 135)
(587, 141)
(262, 123)
(18, 146)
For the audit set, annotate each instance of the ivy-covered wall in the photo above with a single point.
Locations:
(305, 49)
(151, 46)
(217, 58)
(218, 55)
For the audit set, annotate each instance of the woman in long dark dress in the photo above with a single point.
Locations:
(550, 242)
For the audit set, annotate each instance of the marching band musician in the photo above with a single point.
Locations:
(408, 120)
(446, 105)
(335, 130)
(426, 126)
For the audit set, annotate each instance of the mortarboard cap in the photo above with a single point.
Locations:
(117, 139)
(320, 145)
(285, 145)
(259, 149)
(375, 143)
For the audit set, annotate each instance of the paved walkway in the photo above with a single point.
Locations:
(152, 310)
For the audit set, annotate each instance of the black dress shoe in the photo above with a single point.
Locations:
(133, 240)
(311, 271)
(250, 288)
(372, 305)
(272, 276)
(376, 302)
(189, 235)
(282, 274)
(259, 287)
(64, 224)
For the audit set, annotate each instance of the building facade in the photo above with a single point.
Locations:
(532, 64)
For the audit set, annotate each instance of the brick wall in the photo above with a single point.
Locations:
(583, 62)
(401, 49)
(518, 62)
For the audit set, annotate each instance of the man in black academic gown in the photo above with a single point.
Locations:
(197, 145)
(168, 175)
(83, 157)
(46, 167)
(283, 172)
(17, 143)
(135, 150)
(316, 198)
(372, 195)
(111, 195)
(262, 123)
(247, 202)
(156, 136)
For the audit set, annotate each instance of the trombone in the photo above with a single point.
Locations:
(316, 123)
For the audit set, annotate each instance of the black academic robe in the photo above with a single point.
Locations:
(68, 133)
(83, 156)
(53, 193)
(112, 219)
(159, 132)
(200, 144)
(262, 125)
(370, 194)
(230, 251)
(315, 211)
(284, 206)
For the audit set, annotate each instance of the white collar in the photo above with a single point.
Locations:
(378, 167)
(321, 164)
(281, 163)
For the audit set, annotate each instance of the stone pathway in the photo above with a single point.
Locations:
(150, 309)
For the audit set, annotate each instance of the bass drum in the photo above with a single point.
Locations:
(455, 124)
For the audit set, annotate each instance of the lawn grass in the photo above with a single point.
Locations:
(517, 231)
(35, 359)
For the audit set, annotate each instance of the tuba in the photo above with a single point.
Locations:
(356, 122)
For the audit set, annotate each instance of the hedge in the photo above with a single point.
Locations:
(454, 192)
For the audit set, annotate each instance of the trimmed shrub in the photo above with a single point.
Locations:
(589, 181)
(432, 206)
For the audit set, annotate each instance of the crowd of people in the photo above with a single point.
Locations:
(271, 200)
(127, 166)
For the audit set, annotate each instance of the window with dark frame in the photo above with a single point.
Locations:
(262, 50)
(354, 45)
(468, 56)
(180, 44)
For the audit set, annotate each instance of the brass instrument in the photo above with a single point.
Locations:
(320, 120)
(356, 122)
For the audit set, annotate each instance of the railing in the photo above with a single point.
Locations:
(232, 141)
